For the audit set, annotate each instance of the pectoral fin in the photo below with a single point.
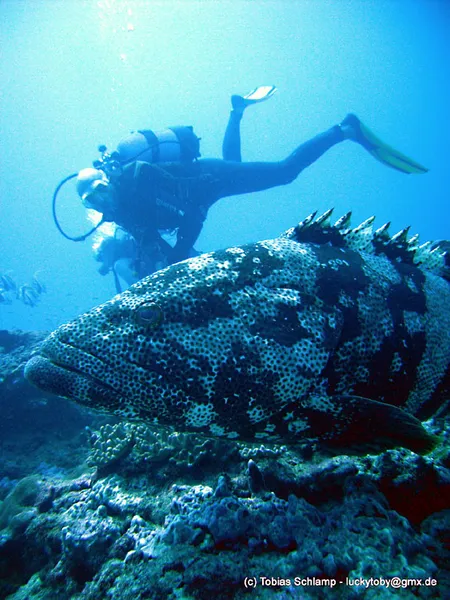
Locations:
(357, 425)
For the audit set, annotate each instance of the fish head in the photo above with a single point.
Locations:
(216, 344)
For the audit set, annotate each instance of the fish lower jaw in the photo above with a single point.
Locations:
(61, 379)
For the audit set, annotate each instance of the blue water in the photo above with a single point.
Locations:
(75, 74)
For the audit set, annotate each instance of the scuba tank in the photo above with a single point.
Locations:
(174, 144)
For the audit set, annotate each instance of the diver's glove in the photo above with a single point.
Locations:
(355, 130)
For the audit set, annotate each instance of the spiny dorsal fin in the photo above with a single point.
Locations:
(398, 247)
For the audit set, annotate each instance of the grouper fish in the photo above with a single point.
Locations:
(326, 336)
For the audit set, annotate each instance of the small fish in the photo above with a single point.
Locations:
(38, 285)
(4, 297)
(7, 283)
(28, 295)
(328, 336)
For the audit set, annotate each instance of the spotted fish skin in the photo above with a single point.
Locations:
(326, 335)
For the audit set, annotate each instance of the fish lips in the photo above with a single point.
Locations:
(56, 377)
(48, 376)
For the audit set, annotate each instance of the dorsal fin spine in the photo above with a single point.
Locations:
(398, 248)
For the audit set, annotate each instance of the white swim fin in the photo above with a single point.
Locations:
(259, 94)
(263, 92)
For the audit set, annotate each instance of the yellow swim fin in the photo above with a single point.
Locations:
(380, 150)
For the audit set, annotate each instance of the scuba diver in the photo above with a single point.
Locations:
(118, 251)
(159, 183)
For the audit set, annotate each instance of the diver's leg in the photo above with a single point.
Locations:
(231, 146)
(229, 179)
(308, 152)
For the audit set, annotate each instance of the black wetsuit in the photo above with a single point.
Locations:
(177, 196)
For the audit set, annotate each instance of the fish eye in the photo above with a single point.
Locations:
(149, 314)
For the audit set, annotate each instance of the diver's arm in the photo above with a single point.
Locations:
(188, 233)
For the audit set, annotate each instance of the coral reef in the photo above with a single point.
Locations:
(141, 449)
(15, 349)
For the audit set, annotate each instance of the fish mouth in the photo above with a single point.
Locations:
(56, 376)
(48, 376)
